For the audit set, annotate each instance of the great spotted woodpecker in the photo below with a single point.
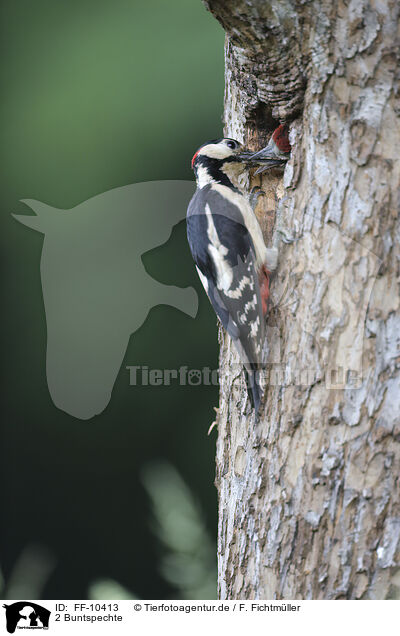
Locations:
(276, 152)
(228, 249)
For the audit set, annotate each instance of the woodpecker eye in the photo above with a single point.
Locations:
(232, 144)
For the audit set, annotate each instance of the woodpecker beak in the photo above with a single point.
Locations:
(266, 158)
(243, 155)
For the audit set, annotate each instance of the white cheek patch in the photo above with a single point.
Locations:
(215, 151)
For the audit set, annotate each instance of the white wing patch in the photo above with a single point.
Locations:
(218, 253)
(203, 279)
(223, 268)
(250, 219)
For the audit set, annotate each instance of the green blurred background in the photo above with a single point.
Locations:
(99, 94)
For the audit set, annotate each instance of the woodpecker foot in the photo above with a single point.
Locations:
(282, 234)
(255, 194)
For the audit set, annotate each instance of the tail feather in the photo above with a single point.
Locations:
(254, 389)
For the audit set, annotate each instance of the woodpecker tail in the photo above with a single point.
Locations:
(253, 387)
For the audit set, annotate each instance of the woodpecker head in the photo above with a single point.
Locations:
(218, 161)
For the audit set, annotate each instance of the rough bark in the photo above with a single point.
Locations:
(309, 497)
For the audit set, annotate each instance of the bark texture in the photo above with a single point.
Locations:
(309, 497)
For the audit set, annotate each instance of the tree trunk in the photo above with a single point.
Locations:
(309, 497)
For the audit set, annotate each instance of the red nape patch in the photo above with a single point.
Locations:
(281, 137)
(263, 279)
(194, 158)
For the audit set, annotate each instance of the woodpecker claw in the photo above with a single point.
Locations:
(283, 234)
(255, 194)
(271, 164)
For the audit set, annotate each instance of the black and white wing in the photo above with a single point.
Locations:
(223, 251)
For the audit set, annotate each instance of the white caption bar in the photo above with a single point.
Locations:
(132, 617)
